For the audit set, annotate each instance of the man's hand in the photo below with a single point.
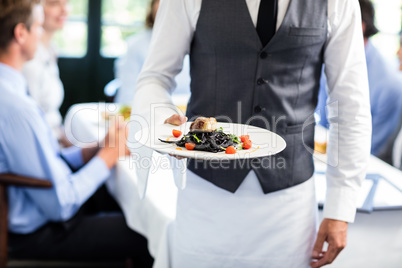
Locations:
(114, 143)
(334, 232)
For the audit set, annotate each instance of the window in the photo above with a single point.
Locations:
(388, 22)
(72, 40)
(120, 19)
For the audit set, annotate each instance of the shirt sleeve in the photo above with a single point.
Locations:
(348, 110)
(29, 151)
(73, 155)
(174, 29)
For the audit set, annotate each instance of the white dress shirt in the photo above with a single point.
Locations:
(45, 86)
(349, 109)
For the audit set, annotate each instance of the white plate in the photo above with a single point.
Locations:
(264, 142)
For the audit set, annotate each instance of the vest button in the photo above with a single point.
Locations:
(260, 81)
(257, 109)
(263, 55)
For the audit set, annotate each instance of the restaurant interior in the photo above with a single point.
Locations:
(53, 214)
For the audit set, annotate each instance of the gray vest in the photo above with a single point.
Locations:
(275, 87)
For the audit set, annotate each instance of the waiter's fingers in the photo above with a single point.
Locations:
(327, 258)
(319, 244)
(178, 157)
(335, 233)
(321, 255)
(176, 120)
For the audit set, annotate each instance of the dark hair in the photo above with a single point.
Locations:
(150, 20)
(13, 12)
(368, 15)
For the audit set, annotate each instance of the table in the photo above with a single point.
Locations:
(150, 216)
(374, 240)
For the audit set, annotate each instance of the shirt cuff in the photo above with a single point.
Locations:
(73, 155)
(341, 204)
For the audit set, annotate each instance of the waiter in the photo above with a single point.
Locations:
(259, 61)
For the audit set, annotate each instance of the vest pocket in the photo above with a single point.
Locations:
(303, 31)
(293, 129)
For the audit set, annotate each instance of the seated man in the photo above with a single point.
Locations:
(384, 84)
(62, 222)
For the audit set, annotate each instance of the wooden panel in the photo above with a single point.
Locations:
(3, 226)
(22, 181)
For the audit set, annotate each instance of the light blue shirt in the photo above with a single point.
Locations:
(385, 98)
(128, 67)
(28, 147)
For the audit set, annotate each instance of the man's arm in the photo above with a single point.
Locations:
(30, 153)
(77, 157)
(348, 111)
(350, 125)
(172, 34)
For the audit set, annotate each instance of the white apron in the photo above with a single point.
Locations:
(215, 228)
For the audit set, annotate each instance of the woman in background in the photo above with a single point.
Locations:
(42, 73)
(128, 67)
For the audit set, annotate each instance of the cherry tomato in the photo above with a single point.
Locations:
(176, 133)
(230, 150)
(247, 144)
(243, 138)
(190, 146)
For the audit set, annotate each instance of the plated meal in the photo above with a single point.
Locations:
(204, 135)
(207, 139)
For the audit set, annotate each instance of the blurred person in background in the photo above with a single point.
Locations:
(76, 219)
(396, 147)
(128, 66)
(399, 52)
(42, 72)
(393, 152)
(385, 87)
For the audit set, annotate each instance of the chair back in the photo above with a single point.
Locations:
(7, 179)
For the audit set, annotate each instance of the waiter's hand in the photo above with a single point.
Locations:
(176, 120)
(334, 232)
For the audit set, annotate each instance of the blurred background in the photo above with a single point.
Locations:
(96, 31)
(92, 38)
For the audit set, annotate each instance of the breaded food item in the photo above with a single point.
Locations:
(204, 124)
